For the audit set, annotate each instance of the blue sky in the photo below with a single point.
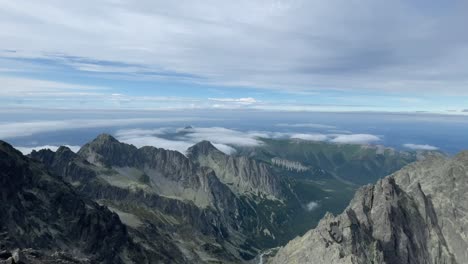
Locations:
(403, 56)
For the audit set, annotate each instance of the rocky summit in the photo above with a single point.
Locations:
(243, 175)
(416, 215)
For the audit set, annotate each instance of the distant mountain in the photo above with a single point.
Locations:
(357, 164)
(242, 174)
(417, 215)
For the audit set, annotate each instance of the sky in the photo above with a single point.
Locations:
(340, 55)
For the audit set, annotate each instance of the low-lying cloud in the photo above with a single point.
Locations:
(220, 137)
(21, 129)
(311, 137)
(225, 139)
(307, 125)
(245, 100)
(28, 150)
(313, 205)
(355, 139)
(420, 146)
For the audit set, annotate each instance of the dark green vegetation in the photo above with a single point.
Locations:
(357, 164)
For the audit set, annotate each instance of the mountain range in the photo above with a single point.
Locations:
(114, 203)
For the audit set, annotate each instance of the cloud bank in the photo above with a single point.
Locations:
(187, 137)
(246, 100)
(223, 138)
(311, 137)
(307, 125)
(21, 129)
(420, 146)
(28, 150)
(311, 206)
(356, 139)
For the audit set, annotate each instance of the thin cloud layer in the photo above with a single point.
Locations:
(153, 137)
(28, 150)
(311, 206)
(310, 137)
(223, 138)
(21, 129)
(295, 46)
(307, 125)
(420, 146)
(246, 100)
(356, 139)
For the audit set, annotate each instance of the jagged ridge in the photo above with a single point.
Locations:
(416, 215)
(241, 174)
(41, 211)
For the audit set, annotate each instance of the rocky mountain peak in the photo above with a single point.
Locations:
(65, 152)
(201, 148)
(105, 138)
(242, 174)
(107, 150)
(8, 149)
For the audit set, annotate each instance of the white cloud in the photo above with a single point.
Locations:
(15, 86)
(223, 136)
(141, 141)
(307, 125)
(247, 100)
(135, 132)
(225, 148)
(152, 137)
(28, 150)
(386, 45)
(19, 129)
(420, 147)
(355, 139)
(311, 137)
(311, 206)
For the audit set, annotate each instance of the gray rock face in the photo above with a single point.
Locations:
(417, 215)
(39, 210)
(162, 196)
(32, 256)
(168, 173)
(243, 175)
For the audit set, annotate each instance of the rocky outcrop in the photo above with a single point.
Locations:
(243, 175)
(417, 215)
(289, 165)
(40, 211)
(32, 256)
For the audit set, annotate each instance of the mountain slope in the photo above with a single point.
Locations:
(417, 215)
(154, 191)
(245, 176)
(40, 211)
(157, 191)
(357, 164)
